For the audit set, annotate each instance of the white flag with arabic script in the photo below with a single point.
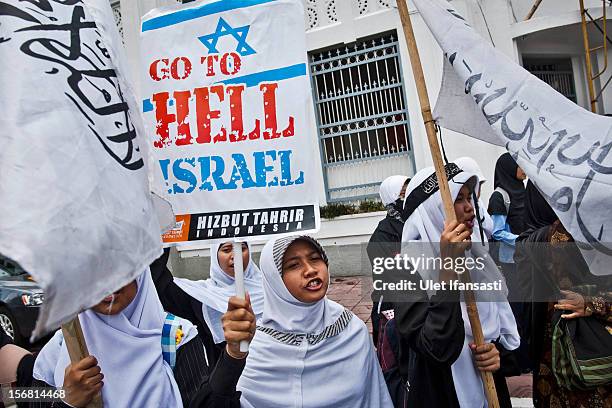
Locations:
(76, 211)
(563, 148)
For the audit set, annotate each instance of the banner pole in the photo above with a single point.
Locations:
(534, 8)
(77, 350)
(449, 209)
(239, 279)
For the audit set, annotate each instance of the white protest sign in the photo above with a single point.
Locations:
(226, 96)
(76, 211)
(563, 148)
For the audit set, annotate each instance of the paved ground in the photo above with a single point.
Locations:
(353, 292)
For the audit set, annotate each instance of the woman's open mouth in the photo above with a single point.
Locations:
(110, 298)
(314, 284)
(470, 223)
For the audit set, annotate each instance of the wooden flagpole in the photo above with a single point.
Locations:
(534, 8)
(419, 78)
(77, 350)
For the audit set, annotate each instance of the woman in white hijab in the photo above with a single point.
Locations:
(436, 326)
(391, 190)
(140, 356)
(216, 291)
(308, 351)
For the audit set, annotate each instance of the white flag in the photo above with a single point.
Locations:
(563, 148)
(75, 210)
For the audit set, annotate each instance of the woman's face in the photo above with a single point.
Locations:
(117, 301)
(464, 210)
(305, 273)
(225, 256)
(402, 194)
(520, 173)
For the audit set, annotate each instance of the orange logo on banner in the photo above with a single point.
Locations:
(180, 232)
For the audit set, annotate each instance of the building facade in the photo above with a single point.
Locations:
(366, 122)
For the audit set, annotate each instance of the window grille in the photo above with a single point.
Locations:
(360, 105)
(555, 72)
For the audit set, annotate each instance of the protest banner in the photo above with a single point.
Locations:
(76, 211)
(226, 105)
(563, 148)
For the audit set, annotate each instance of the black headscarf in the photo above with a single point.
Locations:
(538, 213)
(505, 177)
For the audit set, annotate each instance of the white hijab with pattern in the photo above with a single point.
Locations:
(304, 355)
(215, 291)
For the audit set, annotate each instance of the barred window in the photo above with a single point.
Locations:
(556, 72)
(360, 107)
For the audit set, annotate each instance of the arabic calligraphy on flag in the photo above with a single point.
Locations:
(563, 148)
(76, 211)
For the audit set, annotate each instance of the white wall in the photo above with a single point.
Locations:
(352, 25)
(555, 30)
(550, 7)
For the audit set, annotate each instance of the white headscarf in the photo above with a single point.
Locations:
(216, 291)
(469, 165)
(128, 347)
(306, 355)
(391, 188)
(425, 224)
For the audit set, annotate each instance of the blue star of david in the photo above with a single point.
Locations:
(223, 29)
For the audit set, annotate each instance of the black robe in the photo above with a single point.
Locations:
(505, 177)
(432, 336)
(24, 368)
(388, 231)
(385, 242)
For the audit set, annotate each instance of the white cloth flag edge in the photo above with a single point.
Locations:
(102, 14)
(23, 255)
(434, 13)
(471, 123)
(163, 208)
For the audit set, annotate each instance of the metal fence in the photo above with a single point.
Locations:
(561, 81)
(361, 116)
